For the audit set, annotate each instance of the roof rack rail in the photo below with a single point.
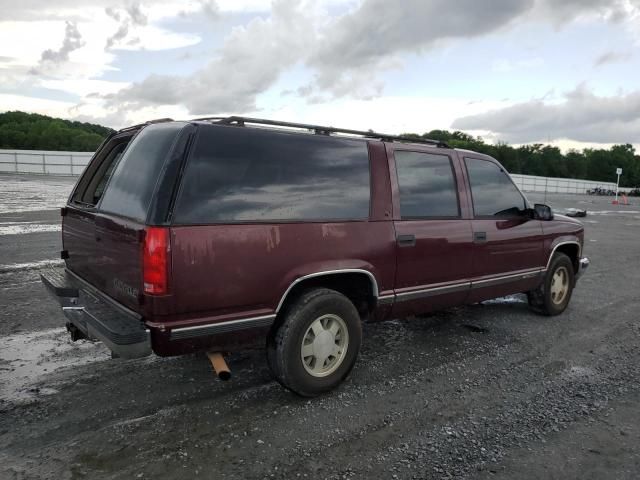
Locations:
(321, 130)
(140, 125)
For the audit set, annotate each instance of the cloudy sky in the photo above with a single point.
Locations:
(520, 71)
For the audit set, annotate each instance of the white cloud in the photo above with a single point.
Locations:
(582, 117)
(387, 114)
(250, 61)
(611, 56)
(335, 61)
(55, 108)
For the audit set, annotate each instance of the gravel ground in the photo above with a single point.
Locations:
(482, 391)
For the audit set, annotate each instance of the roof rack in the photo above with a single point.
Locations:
(140, 125)
(320, 130)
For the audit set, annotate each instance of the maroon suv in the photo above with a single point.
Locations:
(231, 233)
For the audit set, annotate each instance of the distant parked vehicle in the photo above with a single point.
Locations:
(601, 191)
(219, 235)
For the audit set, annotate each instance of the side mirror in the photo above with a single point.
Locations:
(543, 212)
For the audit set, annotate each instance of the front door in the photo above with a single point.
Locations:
(434, 249)
(507, 242)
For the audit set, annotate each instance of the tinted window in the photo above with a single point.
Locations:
(244, 174)
(132, 183)
(493, 192)
(91, 185)
(427, 185)
(112, 162)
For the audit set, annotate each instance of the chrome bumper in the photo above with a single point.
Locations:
(582, 267)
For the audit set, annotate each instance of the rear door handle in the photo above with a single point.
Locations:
(479, 237)
(406, 240)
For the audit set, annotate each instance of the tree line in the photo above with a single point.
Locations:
(30, 131)
(549, 161)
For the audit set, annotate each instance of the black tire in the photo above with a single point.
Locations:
(285, 342)
(543, 300)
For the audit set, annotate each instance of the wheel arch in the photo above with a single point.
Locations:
(571, 248)
(358, 285)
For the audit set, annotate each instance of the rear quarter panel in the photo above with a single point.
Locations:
(221, 270)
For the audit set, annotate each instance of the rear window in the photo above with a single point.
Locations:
(242, 175)
(133, 181)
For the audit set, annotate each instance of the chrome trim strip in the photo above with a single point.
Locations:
(467, 284)
(230, 322)
(430, 292)
(498, 280)
(568, 242)
(221, 327)
(386, 299)
(374, 283)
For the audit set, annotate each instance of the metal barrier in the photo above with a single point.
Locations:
(532, 183)
(43, 162)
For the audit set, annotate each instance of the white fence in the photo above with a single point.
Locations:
(532, 183)
(43, 162)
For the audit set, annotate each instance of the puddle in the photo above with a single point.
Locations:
(16, 267)
(27, 358)
(503, 300)
(20, 228)
(28, 194)
(612, 212)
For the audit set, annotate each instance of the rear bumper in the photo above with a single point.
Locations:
(582, 267)
(97, 316)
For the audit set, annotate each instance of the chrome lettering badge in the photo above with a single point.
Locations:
(125, 289)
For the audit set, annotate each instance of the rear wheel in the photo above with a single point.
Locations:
(317, 343)
(553, 296)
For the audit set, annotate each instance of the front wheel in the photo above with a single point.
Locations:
(317, 343)
(553, 296)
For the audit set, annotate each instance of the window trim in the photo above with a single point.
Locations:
(272, 221)
(503, 170)
(455, 184)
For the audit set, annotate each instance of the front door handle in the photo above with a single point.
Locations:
(479, 237)
(406, 240)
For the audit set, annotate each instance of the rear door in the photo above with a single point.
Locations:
(507, 245)
(78, 223)
(433, 240)
(104, 228)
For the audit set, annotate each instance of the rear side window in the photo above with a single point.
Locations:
(427, 185)
(240, 174)
(493, 192)
(133, 181)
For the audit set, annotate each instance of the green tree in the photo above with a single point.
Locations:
(30, 131)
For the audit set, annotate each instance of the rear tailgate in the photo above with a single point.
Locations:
(104, 238)
(117, 266)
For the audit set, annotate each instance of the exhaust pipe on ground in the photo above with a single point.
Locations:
(219, 365)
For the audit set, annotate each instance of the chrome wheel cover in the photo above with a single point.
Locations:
(324, 345)
(559, 285)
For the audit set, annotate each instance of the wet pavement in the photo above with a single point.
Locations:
(482, 391)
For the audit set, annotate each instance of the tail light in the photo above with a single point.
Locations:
(156, 260)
